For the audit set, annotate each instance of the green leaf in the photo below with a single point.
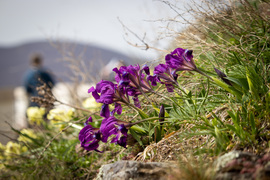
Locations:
(232, 128)
(136, 136)
(217, 118)
(142, 114)
(235, 122)
(231, 114)
(176, 110)
(242, 82)
(152, 131)
(138, 129)
(252, 83)
(158, 132)
(228, 88)
(252, 123)
(214, 122)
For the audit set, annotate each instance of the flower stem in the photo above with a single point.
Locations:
(202, 73)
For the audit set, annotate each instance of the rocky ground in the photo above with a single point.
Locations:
(169, 159)
(234, 165)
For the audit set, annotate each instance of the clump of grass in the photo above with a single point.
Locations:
(232, 36)
(193, 169)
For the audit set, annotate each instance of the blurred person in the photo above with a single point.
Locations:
(36, 76)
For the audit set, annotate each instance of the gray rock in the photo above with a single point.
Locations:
(223, 160)
(233, 176)
(133, 170)
(237, 165)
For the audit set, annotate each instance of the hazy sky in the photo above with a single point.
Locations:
(91, 21)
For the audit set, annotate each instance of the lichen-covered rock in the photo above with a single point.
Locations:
(238, 165)
(126, 170)
(231, 157)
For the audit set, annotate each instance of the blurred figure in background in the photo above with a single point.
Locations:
(36, 76)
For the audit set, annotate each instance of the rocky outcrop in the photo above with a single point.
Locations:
(237, 165)
(134, 170)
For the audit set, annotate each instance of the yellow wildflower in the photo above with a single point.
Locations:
(28, 132)
(13, 148)
(58, 117)
(91, 104)
(2, 150)
(35, 115)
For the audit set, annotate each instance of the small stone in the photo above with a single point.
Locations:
(126, 170)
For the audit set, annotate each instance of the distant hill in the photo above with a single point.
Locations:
(14, 61)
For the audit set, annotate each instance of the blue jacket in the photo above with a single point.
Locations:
(35, 78)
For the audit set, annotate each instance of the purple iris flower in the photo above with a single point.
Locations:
(164, 75)
(181, 59)
(90, 138)
(112, 126)
(133, 77)
(107, 92)
(133, 80)
(104, 92)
